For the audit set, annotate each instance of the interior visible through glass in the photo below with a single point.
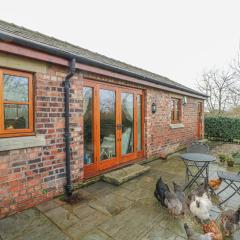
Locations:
(139, 113)
(107, 124)
(88, 124)
(15, 116)
(15, 88)
(127, 123)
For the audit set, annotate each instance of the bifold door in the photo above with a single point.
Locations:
(113, 126)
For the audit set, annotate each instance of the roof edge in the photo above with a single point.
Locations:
(67, 55)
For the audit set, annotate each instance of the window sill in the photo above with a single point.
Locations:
(176, 125)
(14, 143)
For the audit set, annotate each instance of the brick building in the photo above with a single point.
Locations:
(118, 114)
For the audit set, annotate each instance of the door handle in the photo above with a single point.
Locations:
(119, 126)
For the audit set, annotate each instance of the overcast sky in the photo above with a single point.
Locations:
(176, 39)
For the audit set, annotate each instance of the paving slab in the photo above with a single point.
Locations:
(236, 235)
(159, 233)
(140, 193)
(110, 204)
(125, 174)
(30, 225)
(100, 188)
(96, 235)
(49, 205)
(80, 211)
(179, 238)
(86, 224)
(132, 223)
(62, 217)
(144, 182)
(120, 191)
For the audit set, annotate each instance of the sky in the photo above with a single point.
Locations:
(173, 38)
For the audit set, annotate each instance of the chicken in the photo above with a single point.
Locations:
(197, 236)
(200, 190)
(207, 200)
(212, 227)
(173, 203)
(215, 183)
(231, 221)
(200, 208)
(160, 191)
(180, 195)
(200, 204)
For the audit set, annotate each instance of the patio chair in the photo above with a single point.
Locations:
(196, 147)
(232, 181)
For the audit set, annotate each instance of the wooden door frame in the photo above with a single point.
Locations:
(135, 154)
(99, 166)
(91, 168)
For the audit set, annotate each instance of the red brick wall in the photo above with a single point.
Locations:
(161, 140)
(30, 176)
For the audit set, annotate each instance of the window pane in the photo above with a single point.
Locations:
(139, 111)
(172, 104)
(15, 88)
(127, 123)
(88, 124)
(172, 115)
(15, 116)
(177, 116)
(107, 124)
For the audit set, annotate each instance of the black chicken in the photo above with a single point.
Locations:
(161, 189)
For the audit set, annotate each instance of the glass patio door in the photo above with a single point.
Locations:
(108, 117)
(113, 126)
(127, 126)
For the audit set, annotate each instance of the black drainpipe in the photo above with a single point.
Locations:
(67, 135)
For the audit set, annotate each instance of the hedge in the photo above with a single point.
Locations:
(222, 128)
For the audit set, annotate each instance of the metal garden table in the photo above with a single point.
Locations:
(201, 162)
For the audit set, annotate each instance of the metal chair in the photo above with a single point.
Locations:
(231, 180)
(196, 147)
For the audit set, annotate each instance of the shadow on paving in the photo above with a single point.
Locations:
(107, 212)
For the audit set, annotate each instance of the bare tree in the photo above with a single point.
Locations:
(217, 84)
(222, 87)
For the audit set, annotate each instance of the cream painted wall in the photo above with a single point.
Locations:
(22, 63)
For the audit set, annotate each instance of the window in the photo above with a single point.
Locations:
(16, 103)
(176, 110)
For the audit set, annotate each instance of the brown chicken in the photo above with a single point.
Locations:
(213, 227)
(215, 183)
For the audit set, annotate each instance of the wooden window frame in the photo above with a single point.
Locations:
(17, 132)
(174, 111)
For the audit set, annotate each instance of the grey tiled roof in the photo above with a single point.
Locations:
(41, 39)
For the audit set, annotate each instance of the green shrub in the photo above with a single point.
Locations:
(222, 157)
(222, 128)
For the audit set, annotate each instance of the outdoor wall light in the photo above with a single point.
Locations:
(184, 100)
(154, 107)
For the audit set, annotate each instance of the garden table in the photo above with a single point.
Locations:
(232, 181)
(199, 160)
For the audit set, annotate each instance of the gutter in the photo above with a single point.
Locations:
(67, 134)
(81, 59)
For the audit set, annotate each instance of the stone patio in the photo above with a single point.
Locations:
(108, 212)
